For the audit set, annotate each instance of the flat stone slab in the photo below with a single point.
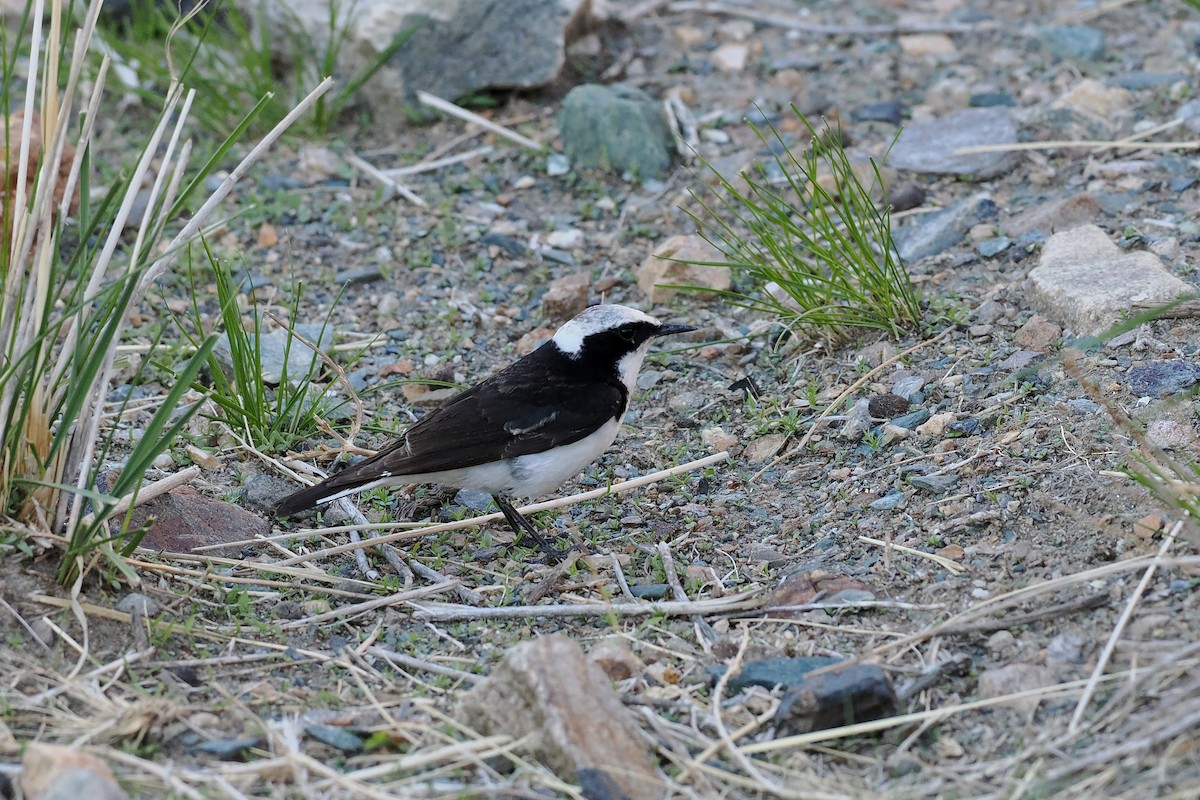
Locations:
(929, 146)
(1088, 283)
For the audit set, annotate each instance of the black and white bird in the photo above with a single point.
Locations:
(523, 431)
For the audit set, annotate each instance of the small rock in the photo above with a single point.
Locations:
(184, 519)
(565, 239)
(889, 502)
(1148, 526)
(668, 265)
(202, 458)
(274, 344)
(1013, 679)
(858, 421)
(764, 448)
(1069, 648)
(473, 500)
(547, 693)
(557, 165)
(1088, 282)
(566, 297)
(1082, 407)
(837, 697)
(1001, 643)
(533, 340)
(936, 425)
(1020, 359)
(929, 146)
(909, 387)
(887, 406)
(935, 484)
(613, 656)
(933, 233)
(889, 111)
(226, 749)
(620, 129)
(358, 275)
(1059, 214)
(1077, 42)
(1038, 334)
(718, 438)
(730, 57)
(931, 46)
(912, 420)
(1169, 434)
(56, 772)
(1090, 108)
(336, 737)
(990, 248)
(138, 604)
(650, 591)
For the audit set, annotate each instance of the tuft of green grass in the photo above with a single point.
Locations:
(233, 61)
(73, 267)
(272, 419)
(811, 244)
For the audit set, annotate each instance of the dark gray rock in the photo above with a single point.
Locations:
(990, 248)
(620, 129)
(930, 146)
(890, 111)
(457, 48)
(335, 737)
(1074, 42)
(933, 233)
(1159, 378)
(935, 484)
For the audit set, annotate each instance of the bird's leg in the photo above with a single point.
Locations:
(522, 526)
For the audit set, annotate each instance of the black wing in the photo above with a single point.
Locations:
(544, 400)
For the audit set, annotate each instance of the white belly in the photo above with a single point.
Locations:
(524, 476)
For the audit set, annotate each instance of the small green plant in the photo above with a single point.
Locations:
(809, 241)
(271, 419)
(233, 60)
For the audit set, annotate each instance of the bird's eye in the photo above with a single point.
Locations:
(627, 334)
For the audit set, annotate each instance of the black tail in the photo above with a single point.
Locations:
(304, 499)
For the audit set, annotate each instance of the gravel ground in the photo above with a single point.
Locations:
(984, 544)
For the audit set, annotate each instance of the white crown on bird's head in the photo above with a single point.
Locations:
(594, 319)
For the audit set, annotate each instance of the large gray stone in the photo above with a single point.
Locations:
(616, 128)
(929, 146)
(1088, 283)
(461, 46)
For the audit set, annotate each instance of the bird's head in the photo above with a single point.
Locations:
(612, 336)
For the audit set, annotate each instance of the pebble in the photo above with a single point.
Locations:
(718, 438)
(1077, 42)
(557, 165)
(137, 603)
(935, 484)
(336, 737)
(1001, 643)
(989, 248)
(730, 57)
(889, 502)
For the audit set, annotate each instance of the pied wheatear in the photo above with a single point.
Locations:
(523, 431)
